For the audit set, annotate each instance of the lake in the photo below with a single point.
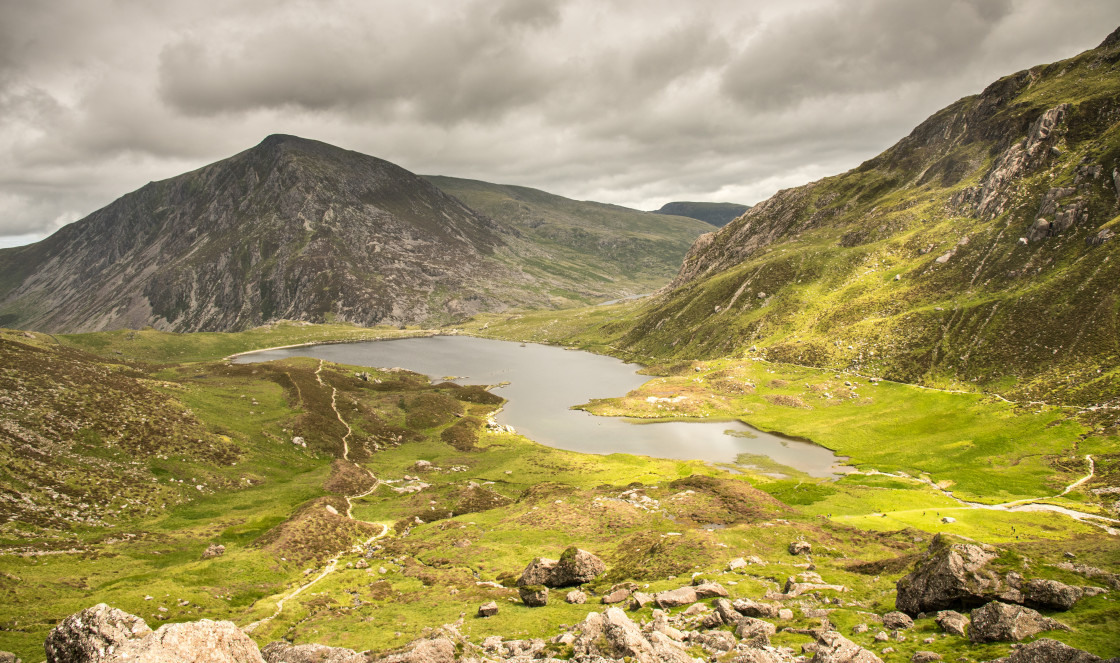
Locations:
(546, 381)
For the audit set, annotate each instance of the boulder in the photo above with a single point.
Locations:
(716, 642)
(361, 564)
(897, 621)
(800, 548)
(9, 657)
(488, 609)
(203, 641)
(618, 594)
(674, 598)
(92, 634)
(710, 590)
(1051, 594)
(538, 572)
(639, 600)
(613, 635)
(736, 564)
(755, 630)
(436, 650)
(576, 567)
(726, 611)
(213, 550)
(951, 575)
(752, 608)
(952, 622)
(835, 648)
(282, 651)
(576, 597)
(1045, 650)
(756, 656)
(534, 596)
(925, 657)
(1003, 622)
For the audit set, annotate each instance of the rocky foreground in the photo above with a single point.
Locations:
(695, 623)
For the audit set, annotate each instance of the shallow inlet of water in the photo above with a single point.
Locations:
(546, 381)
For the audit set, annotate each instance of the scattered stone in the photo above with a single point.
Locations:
(488, 609)
(948, 519)
(574, 567)
(639, 600)
(736, 564)
(422, 466)
(800, 548)
(716, 642)
(612, 634)
(952, 622)
(925, 657)
(534, 596)
(897, 620)
(785, 614)
(859, 628)
(361, 564)
(282, 651)
(710, 590)
(752, 608)
(576, 597)
(331, 510)
(618, 594)
(1045, 650)
(213, 550)
(1002, 622)
(1051, 594)
(835, 648)
(675, 598)
(755, 630)
(89, 634)
(882, 636)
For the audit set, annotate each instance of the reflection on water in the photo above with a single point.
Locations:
(544, 382)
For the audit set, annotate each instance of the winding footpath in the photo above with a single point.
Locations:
(1028, 504)
(332, 564)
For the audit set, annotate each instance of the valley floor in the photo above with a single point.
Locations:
(360, 507)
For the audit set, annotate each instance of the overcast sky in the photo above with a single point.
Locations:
(635, 102)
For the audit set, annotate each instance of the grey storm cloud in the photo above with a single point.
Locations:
(634, 102)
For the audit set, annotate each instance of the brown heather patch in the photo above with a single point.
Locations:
(313, 533)
(729, 501)
(347, 479)
(786, 400)
(463, 434)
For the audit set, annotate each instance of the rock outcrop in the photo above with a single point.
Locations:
(1045, 650)
(611, 634)
(835, 648)
(94, 634)
(281, 651)
(951, 575)
(1003, 622)
(574, 567)
(1051, 594)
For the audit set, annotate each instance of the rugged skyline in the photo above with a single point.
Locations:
(635, 103)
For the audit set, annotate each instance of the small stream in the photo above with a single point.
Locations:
(544, 382)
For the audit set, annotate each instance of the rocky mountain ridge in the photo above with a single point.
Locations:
(978, 248)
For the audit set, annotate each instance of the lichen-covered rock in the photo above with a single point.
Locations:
(534, 596)
(1051, 594)
(203, 641)
(639, 600)
(755, 630)
(716, 642)
(488, 609)
(617, 594)
(576, 597)
(952, 622)
(9, 657)
(92, 635)
(213, 550)
(1045, 650)
(800, 548)
(282, 651)
(925, 657)
(950, 575)
(709, 590)
(897, 621)
(1003, 622)
(576, 566)
(435, 650)
(612, 634)
(674, 598)
(752, 608)
(835, 648)
(538, 572)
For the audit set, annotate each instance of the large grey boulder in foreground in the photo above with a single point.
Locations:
(575, 567)
(835, 648)
(951, 575)
(93, 634)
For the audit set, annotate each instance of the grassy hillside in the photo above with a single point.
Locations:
(716, 214)
(588, 251)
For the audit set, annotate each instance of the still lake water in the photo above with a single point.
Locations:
(545, 381)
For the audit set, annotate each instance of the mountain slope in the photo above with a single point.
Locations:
(716, 214)
(980, 248)
(291, 228)
(591, 251)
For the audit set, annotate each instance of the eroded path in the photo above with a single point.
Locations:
(332, 564)
(1027, 504)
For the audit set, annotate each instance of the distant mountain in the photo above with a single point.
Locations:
(298, 229)
(590, 251)
(716, 214)
(981, 248)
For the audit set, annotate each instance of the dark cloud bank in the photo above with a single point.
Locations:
(625, 101)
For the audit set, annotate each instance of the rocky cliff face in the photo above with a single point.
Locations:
(291, 228)
(980, 248)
